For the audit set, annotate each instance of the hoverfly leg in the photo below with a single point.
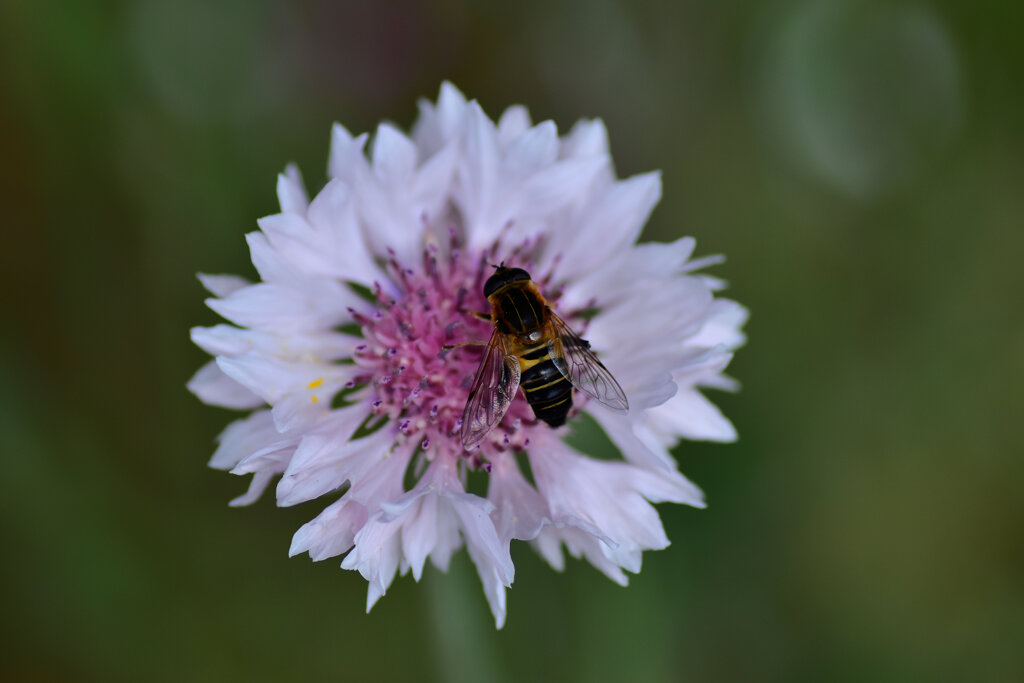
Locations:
(448, 347)
(480, 315)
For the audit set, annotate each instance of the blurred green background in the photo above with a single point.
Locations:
(861, 166)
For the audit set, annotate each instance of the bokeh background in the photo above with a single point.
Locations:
(861, 165)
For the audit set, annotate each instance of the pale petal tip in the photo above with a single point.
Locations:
(449, 91)
(373, 594)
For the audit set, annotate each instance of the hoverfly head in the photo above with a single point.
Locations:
(503, 276)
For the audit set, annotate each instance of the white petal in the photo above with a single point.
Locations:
(559, 185)
(629, 275)
(264, 463)
(652, 390)
(212, 386)
(330, 244)
(244, 437)
(376, 555)
(259, 483)
(665, 317)
(690, 415)
(396, 204)
(291, 192)
(472, 516)
(610, 497)
(485, 548)
(272, 266)
(651, 454)
(273, 378)
(428, 520)
(533, 151)
(385, 481)
(226, 340)
(438, 126)
(431, 184)
(393, 224)
(493, 563)
(534, 185)
(610, 223)
(221, 340)
(702, 367)
(306, 249)
(302, 409)
(421, 528)
(271, 458)
(579, 544)
(549, 545)
(299, 392)
(723, 325)
(519, 510)
(322, 464)
(601, 494)
(587, 138)
(494, 590)
(222, 285)
(278, 308)
(394, 155)
(346, 252)
(449, 538)
(347, 161)
(333, 531)
(478, 177)
(721, 382)
(513, 122)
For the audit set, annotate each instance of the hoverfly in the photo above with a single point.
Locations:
(531, 347)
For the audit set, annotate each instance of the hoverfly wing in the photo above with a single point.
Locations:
(574, 359)
(492, 391)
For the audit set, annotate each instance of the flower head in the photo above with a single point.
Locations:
(341, 351)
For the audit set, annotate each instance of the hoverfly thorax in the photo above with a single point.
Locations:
(517, 306)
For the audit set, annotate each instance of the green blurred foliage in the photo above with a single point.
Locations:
(859, 163)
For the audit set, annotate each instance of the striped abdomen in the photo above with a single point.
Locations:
(547, 390)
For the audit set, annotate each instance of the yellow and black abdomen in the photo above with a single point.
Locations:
(548, 392)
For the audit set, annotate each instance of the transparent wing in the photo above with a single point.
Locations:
(574, 359)
(492, 391)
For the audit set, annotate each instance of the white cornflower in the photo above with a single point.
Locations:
(338, 350)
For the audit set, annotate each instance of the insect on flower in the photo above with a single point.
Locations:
(533, 348)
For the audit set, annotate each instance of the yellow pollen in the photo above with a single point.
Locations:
(315, 383)
(314, 398)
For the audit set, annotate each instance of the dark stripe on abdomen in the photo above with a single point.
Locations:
(536, 353)
(548, 392)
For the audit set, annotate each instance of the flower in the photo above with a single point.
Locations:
(338, 351)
